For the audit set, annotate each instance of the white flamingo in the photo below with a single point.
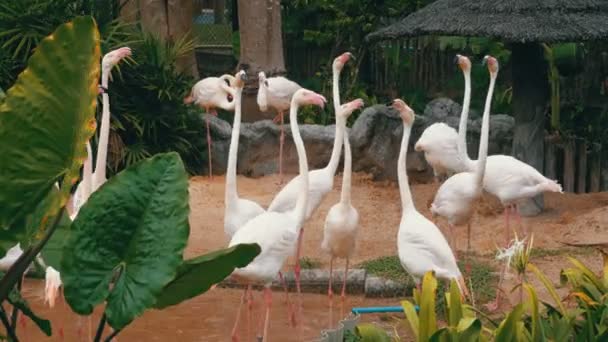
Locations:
(321, 180)
(342, 220)
(441, 143)
(238, 211)
(211, 93)
(420, 244)
(455, 198)
(107, 63)
(276, 233)
(276, 92)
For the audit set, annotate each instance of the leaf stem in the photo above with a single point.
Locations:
(16, 271)
(15, 313)
(102, 323)
(111, 336)
(9, 329)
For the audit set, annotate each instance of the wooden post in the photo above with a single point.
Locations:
(595, 168)
(581, 184)
(569, 164)
(530, 93)
(550, 159)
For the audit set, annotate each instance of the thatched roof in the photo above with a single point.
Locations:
(510, 20)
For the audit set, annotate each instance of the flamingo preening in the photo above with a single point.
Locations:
(321, 180)
(276, 232)
(276, 92)
(456, 197)
(441, 143)
(342, 220)
(420, 244)
(211, 93)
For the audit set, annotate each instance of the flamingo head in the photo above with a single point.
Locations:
(189, 99)
(348, 108)
(406, 113)
(463, 62)
(240, 79)
(309, 97)
(341, 60)
(492, 64)
(262, 79)
(113, 57)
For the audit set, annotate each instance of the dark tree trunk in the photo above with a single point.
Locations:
(550, 160)
(569, 165)
(595, 168)
(530, 91)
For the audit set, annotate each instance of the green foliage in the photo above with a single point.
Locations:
(17, 301)
(144, 215)
(367, 332)
(44, 118)
(149, 116)
(197, 275)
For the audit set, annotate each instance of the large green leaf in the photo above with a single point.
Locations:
(371, 333)
(53, 250)
(412, 317)
(508, 329)
(131, 233)
(427, 317)
(196, 276)
(44, 119)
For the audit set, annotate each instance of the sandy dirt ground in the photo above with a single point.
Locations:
(567, 217)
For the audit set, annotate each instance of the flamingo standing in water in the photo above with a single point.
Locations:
(455, 198)
(211, 93)
(321, 180)
(421, 246)
(276, 232)
(276, 92)
(342, 220)
(441, 143)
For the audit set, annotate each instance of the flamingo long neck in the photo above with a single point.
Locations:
(404, 187)
(231, 191)
(485, 132)
(334, 160)
(87, 174)
(104, 133)
(226, 87)
(336, 88)
(464, 119)
(346, 177)
(302, 200)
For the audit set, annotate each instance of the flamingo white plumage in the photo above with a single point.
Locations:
(321, 180)
(421, 246)
(276, 92)
(211, 93)
(238, 211)
(441, 143)
(342, 220)
(277, 232)
(455, 198)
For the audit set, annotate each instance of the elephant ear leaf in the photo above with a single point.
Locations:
(196, 276)
(46, 118)
(127, 241)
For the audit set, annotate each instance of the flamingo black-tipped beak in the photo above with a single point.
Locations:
(456, 59)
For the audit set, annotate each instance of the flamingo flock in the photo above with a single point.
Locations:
(421, 244)
(278, 230)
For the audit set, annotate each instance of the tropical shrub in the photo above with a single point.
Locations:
(149, 115)
(137, 219)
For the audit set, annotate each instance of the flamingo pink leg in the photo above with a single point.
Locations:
(493, 306)
(343, 295)
(467, 265)
(291, 317)
(330, 292)
(249, 309)
(453, 240)
(523, 231)
(268, 300)
(235, 335)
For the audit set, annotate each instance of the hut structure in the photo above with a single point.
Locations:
(523, 24)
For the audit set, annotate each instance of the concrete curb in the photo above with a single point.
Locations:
(358, 281)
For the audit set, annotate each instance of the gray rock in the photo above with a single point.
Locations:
(441, 109)
(375, 139)
(381, 287)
